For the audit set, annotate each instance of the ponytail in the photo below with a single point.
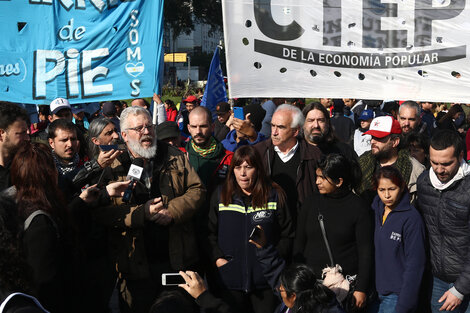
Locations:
(313, 300)
(310, 295)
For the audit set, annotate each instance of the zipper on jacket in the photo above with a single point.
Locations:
(246, 247)
(441, 255)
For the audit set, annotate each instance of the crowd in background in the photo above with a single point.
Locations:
(262, 205)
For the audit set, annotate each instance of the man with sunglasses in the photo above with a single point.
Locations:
(154, 232)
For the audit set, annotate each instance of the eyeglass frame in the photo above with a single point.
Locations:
(142, 127)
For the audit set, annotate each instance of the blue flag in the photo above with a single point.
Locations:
(215, 88)
(85, 51)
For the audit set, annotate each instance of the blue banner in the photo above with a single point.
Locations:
(215, 91)
(82, 50)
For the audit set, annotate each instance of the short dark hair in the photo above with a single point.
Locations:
(146, 103)
(335, 166)
(420, 139)
(390, 106)
(170, 103)
(9, 113)
(44, 110)
(392, 173)
(446, 138)
(61, 124)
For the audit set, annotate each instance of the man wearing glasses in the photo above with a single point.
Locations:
(154, 232)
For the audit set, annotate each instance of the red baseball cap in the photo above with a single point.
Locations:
(383, 126)
(190, 99)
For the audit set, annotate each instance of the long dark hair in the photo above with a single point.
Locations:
(310, 295)
(34, 174)
(94, 131)
(262, 185)
(329, 137)
(335, 166)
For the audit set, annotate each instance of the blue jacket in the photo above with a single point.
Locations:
(399, 252)
(230, 143)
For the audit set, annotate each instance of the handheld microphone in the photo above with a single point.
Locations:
(134, 174)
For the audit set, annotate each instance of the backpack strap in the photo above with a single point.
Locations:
(31, 217)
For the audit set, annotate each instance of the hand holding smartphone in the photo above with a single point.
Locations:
(172, 279)
(238, 113)
(112, 147)
(258, 237)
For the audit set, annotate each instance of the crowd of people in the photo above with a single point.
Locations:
(339, 205)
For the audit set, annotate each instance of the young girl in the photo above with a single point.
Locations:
(399, 244)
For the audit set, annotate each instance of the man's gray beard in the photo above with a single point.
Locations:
(146, 153)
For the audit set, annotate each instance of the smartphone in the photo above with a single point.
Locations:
(172, 279)
(108, 147)
(255, 234)
(238, 113)
(112, 147)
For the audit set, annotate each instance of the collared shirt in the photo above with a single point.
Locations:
(286, 157)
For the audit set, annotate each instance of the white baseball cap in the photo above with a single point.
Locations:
(383, 126)
(59, 104)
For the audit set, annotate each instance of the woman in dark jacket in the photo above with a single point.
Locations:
(40, 207)
(348, 225)
(247, 199)
(15, 274)
(399, 244)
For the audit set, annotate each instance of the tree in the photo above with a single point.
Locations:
(180, 15)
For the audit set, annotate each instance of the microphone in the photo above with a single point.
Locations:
(134, 174)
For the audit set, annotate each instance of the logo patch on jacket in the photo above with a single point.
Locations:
(395, 236)
(261, 215)
(222, 172)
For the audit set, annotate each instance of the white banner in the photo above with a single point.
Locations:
(364, 49)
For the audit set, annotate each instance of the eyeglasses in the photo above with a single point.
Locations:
(141, 129)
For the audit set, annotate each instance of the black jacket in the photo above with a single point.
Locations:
(446, 215)
(309, 155)
(44, 251)
(220, 130)
(348, 225)
(230, 227)
(4, 178)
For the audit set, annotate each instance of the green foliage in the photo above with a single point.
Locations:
(180, 15)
